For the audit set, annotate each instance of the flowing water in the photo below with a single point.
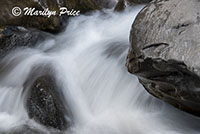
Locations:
(89, 61)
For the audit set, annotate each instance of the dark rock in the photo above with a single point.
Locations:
(42, 105)
(45, 100)
(164, 52)
(15, 37)
(121, 5)
(89, 5)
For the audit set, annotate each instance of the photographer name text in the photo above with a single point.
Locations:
(29, 11)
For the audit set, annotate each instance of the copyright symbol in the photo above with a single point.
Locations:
(16, 11)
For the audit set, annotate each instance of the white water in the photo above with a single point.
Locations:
(89, 60)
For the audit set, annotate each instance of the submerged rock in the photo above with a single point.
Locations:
(15, 37)
(45, 101)
(122, 4)
(115, 49)
(164, 52)
(25, 130)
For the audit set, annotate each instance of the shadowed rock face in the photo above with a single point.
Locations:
(15, 37)
(164, 52)
(45, 101)
(121, 5)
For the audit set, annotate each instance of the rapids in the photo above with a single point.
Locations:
(89, 60)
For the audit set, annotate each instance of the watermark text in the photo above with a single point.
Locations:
(29, 11)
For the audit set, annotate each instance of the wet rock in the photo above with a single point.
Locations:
(45, 100)
(42, 105)
(164, 52)
(121, 5)
(15, 37)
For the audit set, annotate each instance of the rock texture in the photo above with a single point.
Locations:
(45, 101)
(164, 52)
(15, 37)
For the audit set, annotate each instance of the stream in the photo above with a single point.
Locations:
(89, 60)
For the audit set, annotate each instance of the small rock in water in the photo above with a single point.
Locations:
(45, 100)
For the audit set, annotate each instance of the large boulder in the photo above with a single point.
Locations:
(45, 102)
(164, 52)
